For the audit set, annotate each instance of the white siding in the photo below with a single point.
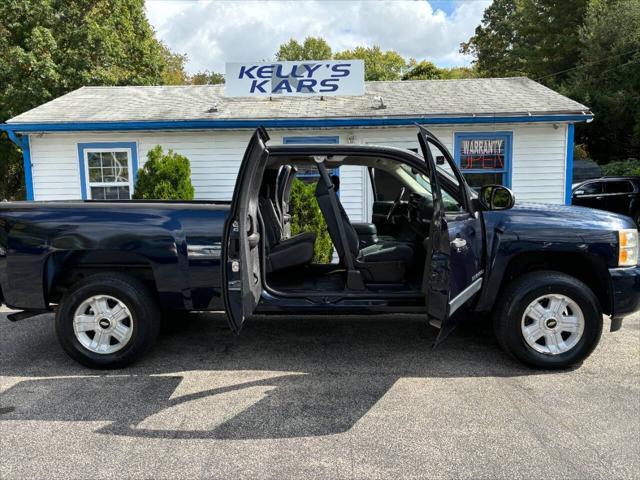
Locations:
(538, 162)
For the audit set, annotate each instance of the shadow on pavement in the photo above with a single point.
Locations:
(281, 378)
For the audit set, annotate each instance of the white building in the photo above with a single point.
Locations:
(512, 131)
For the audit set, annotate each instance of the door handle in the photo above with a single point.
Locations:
(459, 243)
(599, 198)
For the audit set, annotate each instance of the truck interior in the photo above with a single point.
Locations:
(388, 253)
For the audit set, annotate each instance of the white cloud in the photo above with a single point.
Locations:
(212, 33)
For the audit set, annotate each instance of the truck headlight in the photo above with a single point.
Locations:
(628, 247)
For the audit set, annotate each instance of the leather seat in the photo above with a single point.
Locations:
(385, 261)
(283, 252)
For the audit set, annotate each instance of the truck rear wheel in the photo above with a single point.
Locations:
(107, 320)
(548, 320)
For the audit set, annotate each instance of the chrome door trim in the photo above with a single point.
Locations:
(465, 295)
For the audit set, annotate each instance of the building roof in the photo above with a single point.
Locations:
(516, 96)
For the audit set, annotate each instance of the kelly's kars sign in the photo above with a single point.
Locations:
(304, 78)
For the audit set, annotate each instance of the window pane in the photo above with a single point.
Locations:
(108, 174)
(109, 167)
(93, 158)
(121, 175)
(97, 193)
(117, 193)
(123, 193)
(95, 175)
(108, 159)
(387, 186)
(618, 187)
(478, 180)
(592, 188)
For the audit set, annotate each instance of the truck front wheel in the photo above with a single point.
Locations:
(107, 320)
(548, 320)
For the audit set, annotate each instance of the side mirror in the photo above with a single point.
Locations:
(496, 197)
(578, 193)
(440, 160)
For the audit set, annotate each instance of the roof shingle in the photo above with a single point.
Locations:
(468, 97)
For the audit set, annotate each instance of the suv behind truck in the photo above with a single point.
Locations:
(110, 270)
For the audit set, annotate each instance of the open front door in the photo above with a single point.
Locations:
(453, 273)
(241, 276)
(435, 284)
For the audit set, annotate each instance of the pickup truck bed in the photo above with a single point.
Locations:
(55, 243)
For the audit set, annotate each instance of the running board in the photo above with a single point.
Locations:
(17, 316)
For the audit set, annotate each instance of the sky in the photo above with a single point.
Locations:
(214, 32)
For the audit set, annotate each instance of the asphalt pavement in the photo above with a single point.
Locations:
(334, 398)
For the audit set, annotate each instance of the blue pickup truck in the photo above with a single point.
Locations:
(110, 270)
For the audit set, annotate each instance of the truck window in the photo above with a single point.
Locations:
(387, 186)
(592, 188)
(621, 186)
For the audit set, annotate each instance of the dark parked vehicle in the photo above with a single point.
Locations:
(585, 169)
(613, 194)
(435, 247)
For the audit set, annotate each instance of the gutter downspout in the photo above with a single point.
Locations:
(23, 143)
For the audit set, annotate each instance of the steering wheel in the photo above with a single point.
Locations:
(396, 204)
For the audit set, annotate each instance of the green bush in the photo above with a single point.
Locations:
(307, 217)
(164, 177)
(629, 167)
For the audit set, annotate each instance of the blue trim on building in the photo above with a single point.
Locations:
(23, 143)
(569, 163)
(317, 139)
(508, 152)
(106, 146)
(285, 123)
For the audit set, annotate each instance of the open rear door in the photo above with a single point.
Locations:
(436, 282)
(241, 275)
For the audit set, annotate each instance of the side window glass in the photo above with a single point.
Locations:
(618, 187)
(593, 188)
(387, 186)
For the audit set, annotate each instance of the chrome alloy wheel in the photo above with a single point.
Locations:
(552, 324)
(103, 324)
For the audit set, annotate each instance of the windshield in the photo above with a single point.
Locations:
(420, 184)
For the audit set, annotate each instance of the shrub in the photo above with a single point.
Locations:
(307, 217)
(629, 167)
(164, 177)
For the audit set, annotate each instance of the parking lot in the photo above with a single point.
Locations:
(316, 398)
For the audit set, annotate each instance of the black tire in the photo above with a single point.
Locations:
(137, 298)
(524, 290)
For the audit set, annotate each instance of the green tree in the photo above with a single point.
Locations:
(378, 65)
(608, 79)
(174, 72)
(629, 167)
(307, 217)
(424, 70)
(164, 177)
(50, 47)
(313, 48)
(457, 73)
(537, 38)
(206, 78)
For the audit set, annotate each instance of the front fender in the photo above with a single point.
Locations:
(510, 255)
